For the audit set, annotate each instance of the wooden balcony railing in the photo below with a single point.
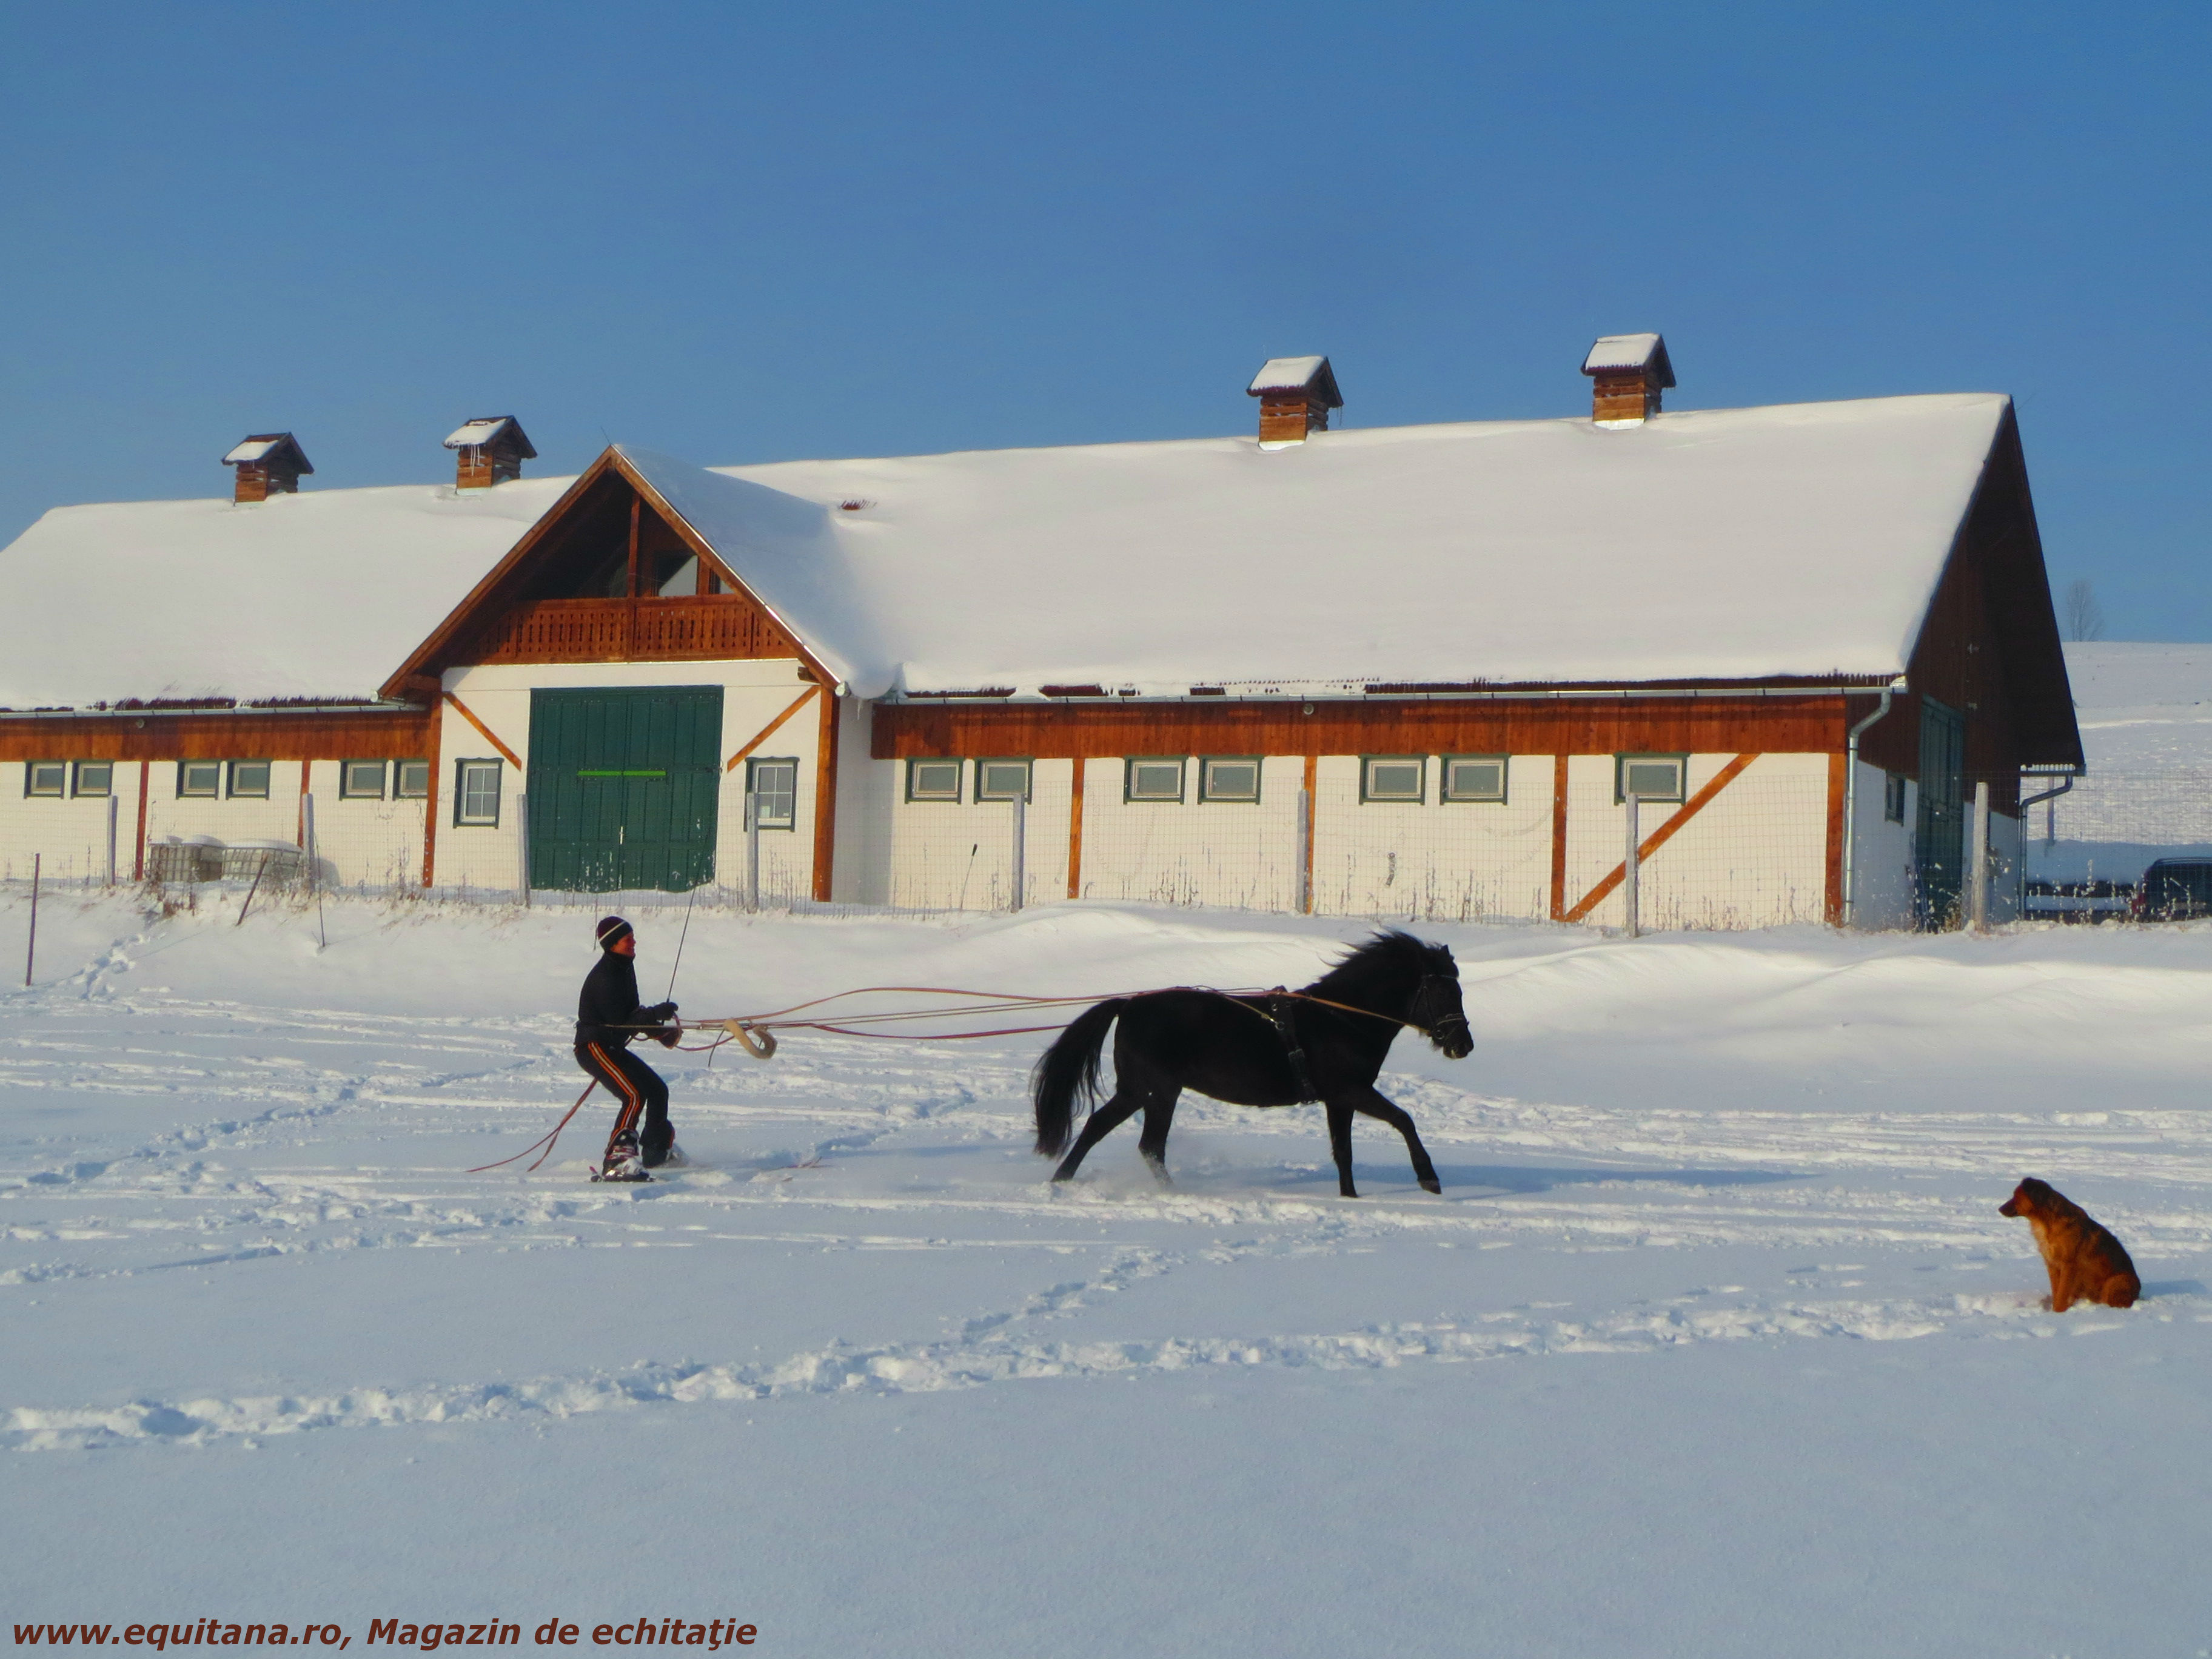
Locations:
(692, 629)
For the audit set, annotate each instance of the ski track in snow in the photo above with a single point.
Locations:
(302, 1131)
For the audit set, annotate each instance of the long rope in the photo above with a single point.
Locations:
(546, 1141)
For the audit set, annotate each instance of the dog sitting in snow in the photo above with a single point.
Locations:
(2087, 1263)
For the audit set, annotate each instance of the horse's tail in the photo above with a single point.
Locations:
(1068, 1069)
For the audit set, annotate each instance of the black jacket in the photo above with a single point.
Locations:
(608, 1012)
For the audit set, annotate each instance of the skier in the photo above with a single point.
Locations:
(607, 1016)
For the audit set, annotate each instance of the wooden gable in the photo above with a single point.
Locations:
(611, 573)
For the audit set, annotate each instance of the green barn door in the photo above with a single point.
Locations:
(623, 787)
(1940, 843)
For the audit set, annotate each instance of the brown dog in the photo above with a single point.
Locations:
(2087, 1263)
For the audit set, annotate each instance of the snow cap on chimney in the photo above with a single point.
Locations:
(488, 449)
(1627, 371)
(1295, 394)
(269, 464)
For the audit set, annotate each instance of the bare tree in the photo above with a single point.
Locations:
(2085, 617)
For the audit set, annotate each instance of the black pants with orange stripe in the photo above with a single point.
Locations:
(639, 1092)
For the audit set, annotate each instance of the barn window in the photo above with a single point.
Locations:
(1474, 777)
(413, 782)
(1229, 777)
(361, 780)
(1393, 777)
(1002, 780)
(1893, 796)
(199, 780)
(44, 777)
(476, 792)
(1649, 777)
(933, 779)
(249, 780)
(775, 787)
(94, 777)
(1154, 777)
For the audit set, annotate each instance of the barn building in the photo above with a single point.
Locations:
(1424, 671)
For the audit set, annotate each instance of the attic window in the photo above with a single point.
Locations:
(44, 777)
(1393, 777)
(1154, 779)
(933, 779)
(1649, 777)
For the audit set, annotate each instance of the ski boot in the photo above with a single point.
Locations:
(622, 1163)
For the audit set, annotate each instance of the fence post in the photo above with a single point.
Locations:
(114, 807)
(1979, 859)
(1302, 861)
(522, 845)
(1021, 847)
(1628, 863)
(752, 850)
(31, 950)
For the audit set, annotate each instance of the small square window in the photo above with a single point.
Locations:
(1002, 780)
(1893, 797)
(1393, 777)
(412, 781)
(44, 777)
(1649, 777)
(1229, 778)
(361, 780)
(1153, 780)
(249, 780)
(933, 779)
(476, 792)
(1474, 777)
(94, 777)
(775, 787)
(199, 780)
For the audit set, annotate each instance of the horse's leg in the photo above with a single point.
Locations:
(1339, 1144)
(1378, 1105)
(1159, 1118)
(1104, 1122)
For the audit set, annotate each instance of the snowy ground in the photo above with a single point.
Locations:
(1714, 1343)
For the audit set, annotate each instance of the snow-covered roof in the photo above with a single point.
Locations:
(489, 430)
(1294, 375)
(1619, 352)
(1801, 539)
(315, 595)
(263, 445)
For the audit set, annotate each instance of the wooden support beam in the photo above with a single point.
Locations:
(1313, 822)
(1839, 766)
(1558, 910)
(770, 729)
(490, 735)
(825, 796)
(1075, 830)
(1659, 838)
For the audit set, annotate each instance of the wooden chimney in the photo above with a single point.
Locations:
(269, 464)
(488, 450)
(1627, 374)
(1295, 394)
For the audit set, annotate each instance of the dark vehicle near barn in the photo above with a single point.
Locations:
(2174, 889)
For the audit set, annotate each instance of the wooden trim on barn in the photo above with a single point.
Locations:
(1075, 831)
(825, 797)
(220, 734)
(770, 729)
(145, 783)
(488, 734)
(431, 805)
(1839, 775)
(499, 622)
(1558, 906)
(1658, 838)
(1809, 725)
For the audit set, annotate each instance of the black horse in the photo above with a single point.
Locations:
(1326, 1042)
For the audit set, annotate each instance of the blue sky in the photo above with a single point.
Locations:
(747, 233)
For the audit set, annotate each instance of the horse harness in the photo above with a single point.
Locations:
(1278, 1011)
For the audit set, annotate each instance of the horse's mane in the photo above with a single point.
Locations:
(1391, 956)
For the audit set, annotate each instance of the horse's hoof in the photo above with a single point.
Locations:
(1433, 1185)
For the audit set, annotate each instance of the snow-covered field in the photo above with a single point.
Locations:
(1714, 1343)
